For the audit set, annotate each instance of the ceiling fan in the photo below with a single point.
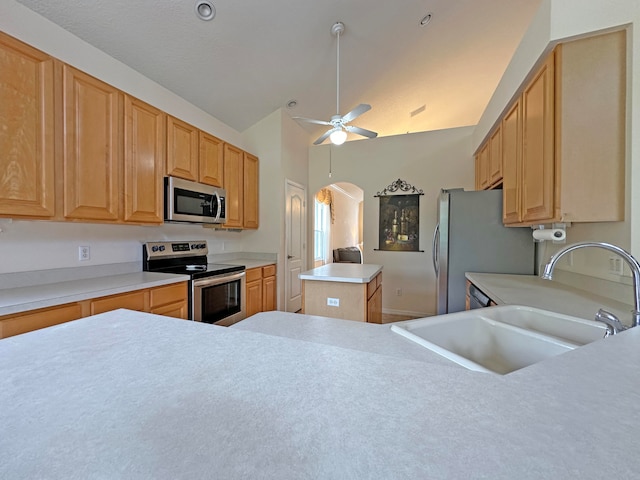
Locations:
(339, 128)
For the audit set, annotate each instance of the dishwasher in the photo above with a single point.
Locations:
(477, 299)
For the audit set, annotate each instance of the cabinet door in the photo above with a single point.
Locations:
(374, 307)
(92, 147)
(234, 185)
(254, 297)
(483, 163)
(175, 310)
(251, 194)
(144, 145)
(511, 158)
(269, 294)
(211, 162)
(538, 142)
(182, 149)
(26, 130)
(495, 157)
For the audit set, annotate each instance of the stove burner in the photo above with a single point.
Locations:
(195, 268)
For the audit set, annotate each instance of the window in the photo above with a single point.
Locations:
(321, 232)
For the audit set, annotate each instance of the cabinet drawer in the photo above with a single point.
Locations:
(268, 271)
(132, 301)
(169, 294)
(254, 274)
(34, 320)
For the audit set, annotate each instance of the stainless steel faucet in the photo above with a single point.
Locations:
(631, 261)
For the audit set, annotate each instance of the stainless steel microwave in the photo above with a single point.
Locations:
(191, 202)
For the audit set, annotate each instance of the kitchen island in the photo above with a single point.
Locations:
(132, 395)
(351, 291)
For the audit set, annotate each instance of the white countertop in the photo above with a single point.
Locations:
(21, 299)
(132, 395)
(248, 262)
(343, 272)
(533, 291)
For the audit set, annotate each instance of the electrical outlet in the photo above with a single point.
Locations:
(399, 292)
(333, 302)
(615, 265)
(84, 253)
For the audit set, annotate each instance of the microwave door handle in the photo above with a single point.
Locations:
(219, 209)
(435, 248)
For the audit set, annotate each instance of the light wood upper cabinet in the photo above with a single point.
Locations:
(495, 157)
(234, 185)
(511, 154)
(250, 217)
(482, 167)
(144, 147)
(26, 130)
(211, 160)
(566, 156)
(92, 147)
(182, 149)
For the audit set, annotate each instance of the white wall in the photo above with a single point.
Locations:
(282, 147)
(344, 229)
(429, 161)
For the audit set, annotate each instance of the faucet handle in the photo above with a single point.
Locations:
(613, 323)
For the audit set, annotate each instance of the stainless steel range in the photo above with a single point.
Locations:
(216, 291)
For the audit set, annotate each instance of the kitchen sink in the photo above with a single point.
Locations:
(500, 339)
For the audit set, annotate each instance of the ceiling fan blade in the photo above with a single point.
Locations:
(360, 131)
(356, 112)
(323, 137)
(311, 120)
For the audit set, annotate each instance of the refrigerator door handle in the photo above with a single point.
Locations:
(435, 247)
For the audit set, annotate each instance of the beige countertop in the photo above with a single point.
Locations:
(132, 395)
(533, 291)
(22, 299)
(342, 272)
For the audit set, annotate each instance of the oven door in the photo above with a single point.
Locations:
(219, 299)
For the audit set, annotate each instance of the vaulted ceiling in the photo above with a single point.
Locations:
(256, 56)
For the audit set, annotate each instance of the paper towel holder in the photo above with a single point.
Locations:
(556, 233)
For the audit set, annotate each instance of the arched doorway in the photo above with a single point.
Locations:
(338, 220)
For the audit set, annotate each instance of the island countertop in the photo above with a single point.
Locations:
(342, 272)
(132, 395)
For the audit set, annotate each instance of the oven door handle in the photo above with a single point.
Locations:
(217, 279)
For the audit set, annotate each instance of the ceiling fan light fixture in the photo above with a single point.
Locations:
(338, 137)
(205, 10)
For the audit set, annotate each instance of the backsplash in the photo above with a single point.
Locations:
(590, 266)
(42, 245)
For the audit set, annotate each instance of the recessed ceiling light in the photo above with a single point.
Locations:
(292, 103)
(205, 10)
(425, 20)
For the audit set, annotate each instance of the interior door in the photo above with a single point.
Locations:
(295, 247)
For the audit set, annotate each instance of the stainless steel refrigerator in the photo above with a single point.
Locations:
(470, 237)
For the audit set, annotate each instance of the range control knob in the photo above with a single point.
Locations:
(154, 248)
(161, 248)
(203, 245)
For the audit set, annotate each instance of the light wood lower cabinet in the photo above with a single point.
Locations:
(170, 300)
(11, 325)
(261, 289)
(26, 130)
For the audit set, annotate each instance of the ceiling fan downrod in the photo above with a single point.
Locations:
(337, 29)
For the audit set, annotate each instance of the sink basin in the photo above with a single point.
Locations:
(572, 329)
(500, 339)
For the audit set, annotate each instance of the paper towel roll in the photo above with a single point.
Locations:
(556, 234)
